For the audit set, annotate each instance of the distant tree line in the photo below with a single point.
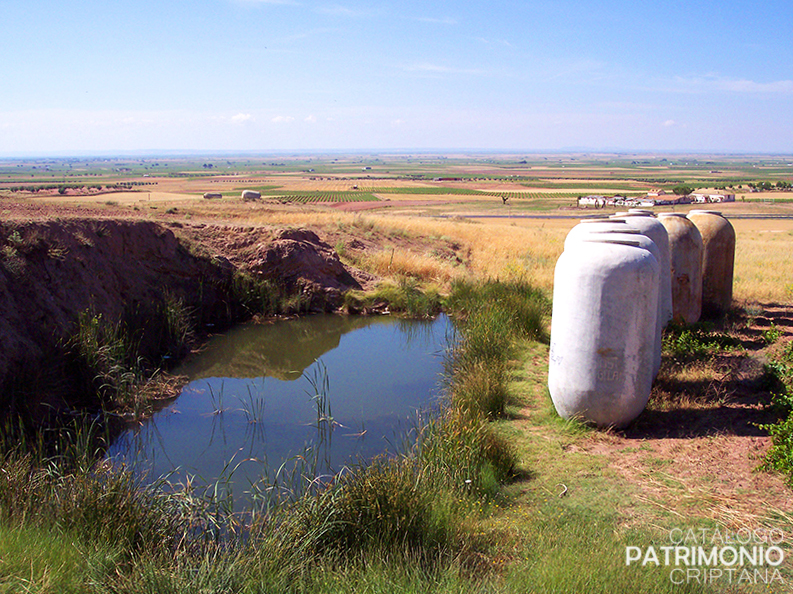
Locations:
(62, 188)
(767, 186)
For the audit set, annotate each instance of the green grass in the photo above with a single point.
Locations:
(420, 507)
(35, 559)
(493, 316)
(567, 520)
(696, 342)
(406, 297)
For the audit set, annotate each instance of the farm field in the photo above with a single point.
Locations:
(580, 496)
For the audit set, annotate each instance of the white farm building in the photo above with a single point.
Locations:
(707, 196)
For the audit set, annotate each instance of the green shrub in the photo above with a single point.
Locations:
(407, 297)
(771, 334)
(778, 377)
(780, 454)
(696, 342)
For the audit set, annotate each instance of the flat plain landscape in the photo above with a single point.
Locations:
(691, 462)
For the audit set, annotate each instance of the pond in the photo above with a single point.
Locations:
(325, 391)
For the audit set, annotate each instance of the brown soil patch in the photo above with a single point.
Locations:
(696, 453)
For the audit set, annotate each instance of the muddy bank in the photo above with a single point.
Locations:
(138, 275)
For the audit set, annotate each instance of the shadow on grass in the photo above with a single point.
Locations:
(734, 401)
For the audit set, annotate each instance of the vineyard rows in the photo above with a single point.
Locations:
(311, 197)
(425, 190)
(533, 195)
(368, 194)
(585, 186)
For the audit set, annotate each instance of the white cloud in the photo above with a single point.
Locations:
(750, 86)
(283, 119)
(714, 82)
(310, 119)
(669, 123)
(282, 2)
(343, 11)
(446, 21)
(437, 69)
(487, 41)
(241, 118)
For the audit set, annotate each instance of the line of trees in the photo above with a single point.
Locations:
(767, 186)
(62, 188)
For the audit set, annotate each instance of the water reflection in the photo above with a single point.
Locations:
(329, 388)
(283, 349)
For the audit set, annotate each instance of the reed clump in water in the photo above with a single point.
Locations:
(419, 506)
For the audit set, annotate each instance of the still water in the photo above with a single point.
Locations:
(335, 389)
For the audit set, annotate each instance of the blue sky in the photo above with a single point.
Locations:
(284, 75)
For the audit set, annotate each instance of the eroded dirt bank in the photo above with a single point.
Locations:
(129, 272)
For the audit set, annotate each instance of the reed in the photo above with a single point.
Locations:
(407, 296)
(61, 485)
(492, 317)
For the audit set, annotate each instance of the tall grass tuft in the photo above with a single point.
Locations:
(104, 358)
(492, 316)
(62, 485)
(261, 296)
(385, 505)
(405, 297)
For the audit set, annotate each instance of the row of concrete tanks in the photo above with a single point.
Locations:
(617, 284)
(702, 248)
(718, 261)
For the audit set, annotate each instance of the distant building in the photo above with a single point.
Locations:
(709, 195)
(592, 200)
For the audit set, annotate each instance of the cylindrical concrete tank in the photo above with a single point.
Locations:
(631, 235)
(605, 301)
(718, 260)
(653, 229)
(587, 226)
(685, 252)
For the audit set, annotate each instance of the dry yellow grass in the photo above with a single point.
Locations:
(763, 261)
(529, 248)
(392, 262)
(497, 248)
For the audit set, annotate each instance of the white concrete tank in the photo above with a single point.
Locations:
(685, 252)
(603, 233)
(718, 260)
(605, 302)
(586, 226)
(652, 228)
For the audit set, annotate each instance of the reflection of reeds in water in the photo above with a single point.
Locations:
(320, 396)
(416, 332)
(217, 401)
(253, 408)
